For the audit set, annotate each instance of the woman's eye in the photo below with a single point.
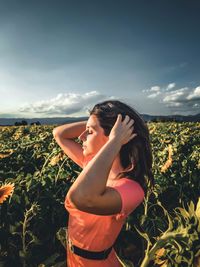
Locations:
(87, 132)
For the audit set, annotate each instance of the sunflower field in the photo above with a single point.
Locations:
(35, 175)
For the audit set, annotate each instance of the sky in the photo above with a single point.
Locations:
(60, 58)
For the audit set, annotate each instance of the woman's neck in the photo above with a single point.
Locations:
(117, 168)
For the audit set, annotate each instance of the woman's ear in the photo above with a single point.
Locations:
(129, 168)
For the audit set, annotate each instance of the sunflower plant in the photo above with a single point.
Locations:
(179, 245)
(6, 190)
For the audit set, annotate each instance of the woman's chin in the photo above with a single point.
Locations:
(85, 152)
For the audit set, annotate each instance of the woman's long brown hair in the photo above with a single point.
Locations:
(136, 155)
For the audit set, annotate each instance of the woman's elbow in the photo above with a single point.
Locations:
(79, 201)
(55, 132)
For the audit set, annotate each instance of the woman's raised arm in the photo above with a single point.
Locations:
(64, 136)
(70, 130)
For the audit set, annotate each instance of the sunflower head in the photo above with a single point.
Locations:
(6, 190)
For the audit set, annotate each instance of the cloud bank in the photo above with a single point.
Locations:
(65, 104)
(178, 100)
(181, 99)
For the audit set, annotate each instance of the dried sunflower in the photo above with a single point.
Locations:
(159, 253)
(6, 154)
(168, 163)
(5, 191)
(56, 159)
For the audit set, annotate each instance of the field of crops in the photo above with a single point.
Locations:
(163, 231)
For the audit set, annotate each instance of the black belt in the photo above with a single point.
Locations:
(94, 255)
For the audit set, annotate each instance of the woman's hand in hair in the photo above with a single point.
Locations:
(123, 131)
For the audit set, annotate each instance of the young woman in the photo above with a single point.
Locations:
(116, 159)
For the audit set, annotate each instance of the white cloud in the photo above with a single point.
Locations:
(155, 88)
(153, 95)
(196, 105)
(178, 94)
(195, 94)
(152, 89)
(170, 86)
(65, 104)
(174, 104)
(181, 99)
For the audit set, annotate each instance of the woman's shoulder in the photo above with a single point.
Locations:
(129, 184)
(131, 193)
(127, 180)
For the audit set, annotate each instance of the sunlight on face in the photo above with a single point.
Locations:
(93, 137)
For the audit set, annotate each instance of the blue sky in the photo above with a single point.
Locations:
(58, 58)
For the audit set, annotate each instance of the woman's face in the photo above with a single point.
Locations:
(93, 137)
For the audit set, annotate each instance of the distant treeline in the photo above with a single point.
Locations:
(23, 122)
(146, 119)
(164, 119)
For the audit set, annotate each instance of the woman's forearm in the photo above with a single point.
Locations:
(70, 130)
(92, 180)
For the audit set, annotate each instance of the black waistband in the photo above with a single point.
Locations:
(95, 255)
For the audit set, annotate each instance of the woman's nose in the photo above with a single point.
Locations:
(82, 136)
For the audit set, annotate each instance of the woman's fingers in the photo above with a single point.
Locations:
(130, 122)
(127, 120)
(124, 129)
(133, 135)
(131, 129)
